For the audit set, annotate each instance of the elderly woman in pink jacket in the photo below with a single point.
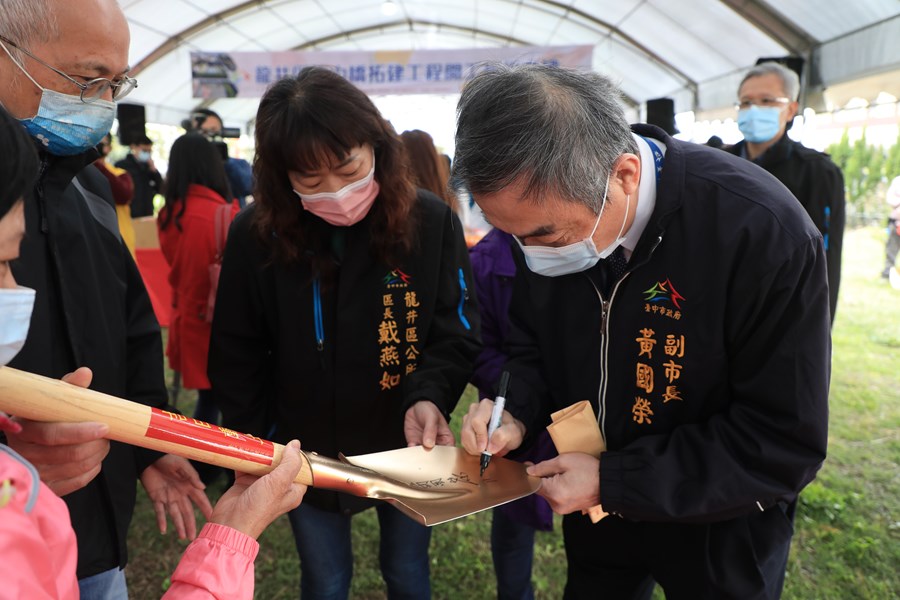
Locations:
(37, 542)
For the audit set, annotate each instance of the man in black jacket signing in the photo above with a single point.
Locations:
(682, 292)
(64, 64)
(767, 104)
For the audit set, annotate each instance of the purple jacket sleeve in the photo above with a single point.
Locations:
(493, 270)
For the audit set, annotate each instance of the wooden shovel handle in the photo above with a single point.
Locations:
(43, 399)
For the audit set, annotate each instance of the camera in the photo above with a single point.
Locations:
(215, 135)
(200, 117)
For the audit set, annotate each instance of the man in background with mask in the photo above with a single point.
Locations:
(767, 104)
(679, 290)
(147, 180)
(63, 64)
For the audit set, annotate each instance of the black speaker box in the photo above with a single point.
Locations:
(661, 112)
(132, 123)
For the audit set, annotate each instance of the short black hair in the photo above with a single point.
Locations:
(198, 116)
(18, 162)
(142, 140)
(192, 160)
(208, 112)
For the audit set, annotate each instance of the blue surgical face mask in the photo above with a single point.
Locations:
(580, 256)
(64, 124)
(759, 124)
(143, 156)
(16, 305)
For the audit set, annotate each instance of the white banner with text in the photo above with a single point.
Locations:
(248, 74)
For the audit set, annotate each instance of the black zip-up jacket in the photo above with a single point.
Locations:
(91, 309)
(147, 184)
(708, 365)
(391, 336)
(819, 186)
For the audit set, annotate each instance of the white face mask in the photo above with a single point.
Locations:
(576, 257)
(16, 305)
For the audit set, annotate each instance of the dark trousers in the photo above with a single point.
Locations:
(206, 409)
(743, 558)
(512, 550)
(324, 544)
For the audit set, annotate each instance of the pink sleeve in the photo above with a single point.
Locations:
(37, 544)
(218, 564)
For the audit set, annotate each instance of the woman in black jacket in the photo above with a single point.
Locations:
(344, 316)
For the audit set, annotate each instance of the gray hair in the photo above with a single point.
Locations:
(26, 21)
(556, 131)
(790, 81)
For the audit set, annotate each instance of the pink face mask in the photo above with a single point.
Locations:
(348, 205)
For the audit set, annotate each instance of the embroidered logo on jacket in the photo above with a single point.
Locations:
(397, 279)
(662, 291)
(661, 298)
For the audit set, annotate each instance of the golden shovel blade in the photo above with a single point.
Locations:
(453, 471)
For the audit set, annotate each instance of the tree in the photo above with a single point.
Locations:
(864, 168)
(892, 162)
(840, 152)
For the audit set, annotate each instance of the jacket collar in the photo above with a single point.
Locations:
(669, 193)
(59, 171)
(776, 153)
(132, 160)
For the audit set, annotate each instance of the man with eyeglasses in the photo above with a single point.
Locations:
(682, 292)
(767, 104)
(63, 64)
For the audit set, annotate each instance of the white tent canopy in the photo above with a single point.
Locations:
(694, 51)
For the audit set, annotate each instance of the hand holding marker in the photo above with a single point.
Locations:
(496, 416)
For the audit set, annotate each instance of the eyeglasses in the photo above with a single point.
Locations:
(92, 90)
(762, 102)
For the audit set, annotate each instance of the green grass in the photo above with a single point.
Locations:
(847, 542)
(848, 524)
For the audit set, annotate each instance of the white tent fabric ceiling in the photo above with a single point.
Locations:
(691, 50)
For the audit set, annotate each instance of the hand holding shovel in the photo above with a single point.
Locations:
(430, 486)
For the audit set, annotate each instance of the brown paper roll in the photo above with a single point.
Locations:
(575, 429)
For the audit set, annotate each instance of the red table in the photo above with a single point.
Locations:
(155, 271)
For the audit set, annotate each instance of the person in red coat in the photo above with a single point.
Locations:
(195, 190)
